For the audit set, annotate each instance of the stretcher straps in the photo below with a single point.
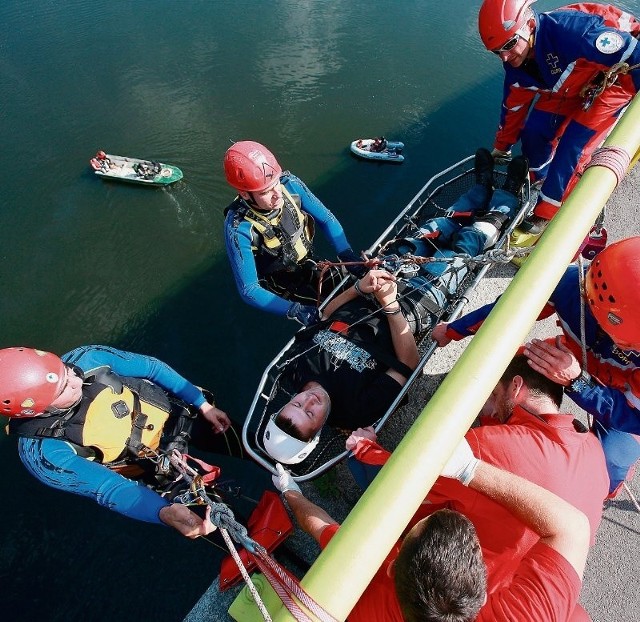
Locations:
(616, 159)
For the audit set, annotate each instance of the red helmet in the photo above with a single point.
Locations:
(30, 380)
(500, 20)
(613, 292)
(250, 166)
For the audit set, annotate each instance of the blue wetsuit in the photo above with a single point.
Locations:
(56, 463)
(239, 240)
(613, 401)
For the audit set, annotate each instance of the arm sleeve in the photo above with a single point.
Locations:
(516, 102)
(137, 366)
(469, 324)
(612, 408)
(369, 452)
(329, 224)
(327, 534)
(629, 51)
(545, 587)
(56, 464)
(243, 266)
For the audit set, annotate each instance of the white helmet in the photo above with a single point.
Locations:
(285, 448)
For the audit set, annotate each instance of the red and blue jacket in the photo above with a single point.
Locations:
(572, 45)
(614, 400)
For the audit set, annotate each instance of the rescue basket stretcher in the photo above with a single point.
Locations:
(274, 391)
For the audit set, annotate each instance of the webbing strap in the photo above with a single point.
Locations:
(282, 582)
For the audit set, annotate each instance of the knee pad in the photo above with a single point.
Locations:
(488, 230)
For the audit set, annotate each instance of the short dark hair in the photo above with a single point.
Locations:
(537, 384)
(440, 575)
(287, 425)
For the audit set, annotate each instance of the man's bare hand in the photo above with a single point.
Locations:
(189, 524)
(218, 419)
(381, 284)
(359, 434)
(439, 334)
(556, 362)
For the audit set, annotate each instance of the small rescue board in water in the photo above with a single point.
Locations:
(378, 149)
(134, 170)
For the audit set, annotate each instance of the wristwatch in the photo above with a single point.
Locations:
(581, 383)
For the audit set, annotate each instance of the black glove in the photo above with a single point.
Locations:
(305, 314)
(348, 255)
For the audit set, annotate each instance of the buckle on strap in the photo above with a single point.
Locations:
(338, 327)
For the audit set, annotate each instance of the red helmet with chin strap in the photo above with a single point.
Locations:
(612, 287)
(501, 20)
(250, 166)
(30, 380)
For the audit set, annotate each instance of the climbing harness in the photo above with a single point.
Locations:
(602, 81)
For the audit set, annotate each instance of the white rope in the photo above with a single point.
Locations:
(245, 575)
(631, 496)
(222, 517)
(583, 339)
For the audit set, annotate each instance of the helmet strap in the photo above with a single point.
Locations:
(63, 411)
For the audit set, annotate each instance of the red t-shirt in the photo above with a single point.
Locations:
(548, 452)
(379, 602)
(545, 588)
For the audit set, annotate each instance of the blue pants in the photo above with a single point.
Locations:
(456, 238)
(621, 451)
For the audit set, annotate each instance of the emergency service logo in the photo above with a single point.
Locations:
(609, 42)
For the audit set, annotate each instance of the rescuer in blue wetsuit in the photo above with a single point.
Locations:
(88, 421)
(609, 387)
(569, 74)
(269, 231)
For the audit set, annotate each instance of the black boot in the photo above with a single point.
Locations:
(517, 172)
(483, 168)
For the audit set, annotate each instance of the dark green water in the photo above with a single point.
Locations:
(84, 261)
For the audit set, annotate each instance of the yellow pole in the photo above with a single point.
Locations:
(342, 572)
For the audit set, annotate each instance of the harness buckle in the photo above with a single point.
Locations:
(338, 327)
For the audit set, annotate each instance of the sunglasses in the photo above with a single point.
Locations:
(508, 46)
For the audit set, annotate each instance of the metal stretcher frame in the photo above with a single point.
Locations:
(405, 219)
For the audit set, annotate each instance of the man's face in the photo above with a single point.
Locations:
(270, 198)
(517, 54)
(499, 404)
(71, 390)
(308, 410)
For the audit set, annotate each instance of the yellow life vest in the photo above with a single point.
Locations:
(286, 236)
(110, 419)
(117, 422)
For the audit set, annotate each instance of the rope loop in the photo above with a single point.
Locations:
(616, 159)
